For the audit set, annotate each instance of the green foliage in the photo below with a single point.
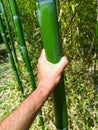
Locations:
(78, 27)
(77, 20)
(27, 12)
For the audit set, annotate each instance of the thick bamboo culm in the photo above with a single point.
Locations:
(21, 41)
(47, 16)
(3, 13)
(10, 55)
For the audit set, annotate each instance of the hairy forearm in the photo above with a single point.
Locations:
(49, 75)
(25, 113)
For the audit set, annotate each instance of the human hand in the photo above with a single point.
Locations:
(49, 73)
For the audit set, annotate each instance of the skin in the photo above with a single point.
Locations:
(48, 75)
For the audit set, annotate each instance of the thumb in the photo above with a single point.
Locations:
(63, 62)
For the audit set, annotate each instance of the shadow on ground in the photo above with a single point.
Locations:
(3, 56)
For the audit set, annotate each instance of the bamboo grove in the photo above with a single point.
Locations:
(20, 39)
(47, 16)
(53, 51)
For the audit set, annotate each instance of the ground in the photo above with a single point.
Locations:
(82, 97)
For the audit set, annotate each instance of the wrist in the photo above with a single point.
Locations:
(46, 86)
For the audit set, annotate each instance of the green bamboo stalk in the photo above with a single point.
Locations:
(2, 9)
(10, 55)
(47, 16)
(21, 41)
(12, 21)
(14, 28)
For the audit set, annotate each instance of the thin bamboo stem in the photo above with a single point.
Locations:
(21, 41)
(10, 55)
(12, 21)
(47, 16)
(2, 8)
